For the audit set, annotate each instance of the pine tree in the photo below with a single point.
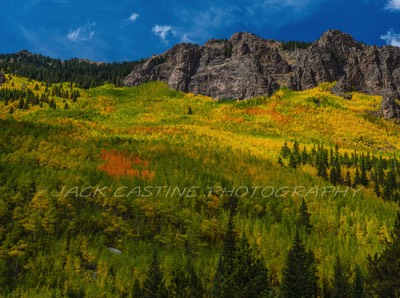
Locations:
(285, 151)
(185, 282)
(357, 179)
(341, 286)
(154, 285)
(280, 162)
(384, 273)
(304, 217)
(321, 170)
(363, 177)
(339, 177)
(347, 180)
(224, 280)
(377, 189)
(292, 161)
(358, 285)
(251, 275)
(299, 275)
(304, 156)
(190, 111)
(333, 176)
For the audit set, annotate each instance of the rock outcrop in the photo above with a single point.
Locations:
(246, 66)
(389, 108)
(2, 78)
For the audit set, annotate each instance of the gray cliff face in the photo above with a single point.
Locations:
(2, 78)
(390, 109)
(246, 66)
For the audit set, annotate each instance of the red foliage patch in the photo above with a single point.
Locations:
(121, 164)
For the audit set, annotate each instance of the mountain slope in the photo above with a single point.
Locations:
(247, 66)
(54, 245)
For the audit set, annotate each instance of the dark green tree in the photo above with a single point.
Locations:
(347, 180)
(384, 273)
(299, 275)
(292, 161)
(357, 179)
(341, 285)
(224, 280)
(285, 151)
(358, 285)
(363, 176)
(251, 275)
(154, 286)
(304, 216)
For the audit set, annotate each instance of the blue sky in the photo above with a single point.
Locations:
(105, 30)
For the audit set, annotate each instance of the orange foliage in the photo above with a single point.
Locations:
(120, 164)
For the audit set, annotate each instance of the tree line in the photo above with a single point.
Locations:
(368, 170)
(84, 74)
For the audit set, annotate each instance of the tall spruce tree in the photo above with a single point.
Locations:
(154, 286)
(304, 216)
(299, 275)
(341, 285)
(358, 285)
(251, 275)
(384, 268)
(224, 280)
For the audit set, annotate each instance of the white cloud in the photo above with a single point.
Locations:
(84, 33)
(133, 18)
(215, 18)
(392, 38)
(162, 31)
(393, 5)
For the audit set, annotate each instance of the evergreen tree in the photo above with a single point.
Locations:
(347, 180)
(377, 189)
(333, 176)
(154, 286)
(299, 275)
(304, 156)
(292, 161)
(304, 217)
(321, 170)
(357, 179)
(280, 162)
(384, 273)
(190, 111)
(251, 275)
(358, 285)
(21, 104)
(285, 151)
(341, 286)
(185, 282)
(363, 177)
(224, 280)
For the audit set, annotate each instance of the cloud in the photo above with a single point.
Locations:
(215, 18)
(392, 38)
(162, 31)
(84, 33)
(393, 5)
(133, 18)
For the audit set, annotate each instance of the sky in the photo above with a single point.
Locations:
(127, 30)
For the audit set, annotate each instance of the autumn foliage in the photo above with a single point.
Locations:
(120, 164)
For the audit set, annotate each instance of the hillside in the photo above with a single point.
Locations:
(74, 172)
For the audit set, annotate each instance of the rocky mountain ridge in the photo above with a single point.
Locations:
(247, 66)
